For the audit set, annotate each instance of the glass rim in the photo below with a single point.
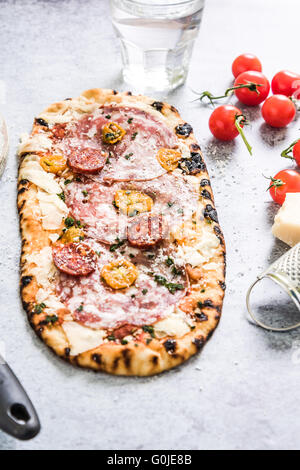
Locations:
(150, 4)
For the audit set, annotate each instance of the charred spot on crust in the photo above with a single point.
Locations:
(158, 105)
(211, 213)
(219, 234)
(207, 303)
(129, 93)
(184, 130)
(97, 358)
(204, 182)
(175, 110)
(194, 147)
(68, 99)
(23, 182)
(22, 190)
(222, 285)
(115, 92)
(67, 352)
(41, 122)
(198, 342)
(193, 165)
(25, 280)
(127, 358)
(206, 194)
(154, 359)
(39, 331)
(201, 317)
(170, 345)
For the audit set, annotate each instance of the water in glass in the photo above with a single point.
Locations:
(157, 39)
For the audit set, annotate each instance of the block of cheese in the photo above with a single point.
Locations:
(287, 221)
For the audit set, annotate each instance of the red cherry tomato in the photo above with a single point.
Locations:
(286, 181)
(222, 122)
(278, 111)
(245, 62)
(286, 83)
(249, 97)
(296, 152)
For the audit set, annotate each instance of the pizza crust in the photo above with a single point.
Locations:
(207, 282)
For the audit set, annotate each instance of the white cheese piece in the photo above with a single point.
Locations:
(287, 220)
(53, 237)
(50, 300)
(81, 338)
(173, 325)
(44, 269)
(201, 252)
(53, 210)
(34, 143)
(32, 171)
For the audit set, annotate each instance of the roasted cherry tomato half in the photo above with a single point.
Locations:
(278, 111)
(72, 234)
(168, 158)
(245, 62)
(119, 274)
(286, 83)
(53, 163)
(222, 122)
(250, 97)
(132, 202)
(285, 181)
(112, 133)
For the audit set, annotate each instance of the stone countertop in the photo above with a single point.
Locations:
(241, 392)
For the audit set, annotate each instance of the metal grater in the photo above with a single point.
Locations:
(285, 272)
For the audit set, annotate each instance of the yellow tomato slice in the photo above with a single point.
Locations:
(119, 274)
(112, 133)
(53, 163)
(72, 234)
(132, 202)
(168, 158)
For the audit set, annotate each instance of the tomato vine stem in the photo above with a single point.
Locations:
(240, 119)
(286, 153)
(207, 94)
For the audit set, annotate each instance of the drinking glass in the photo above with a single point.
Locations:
(157, 39)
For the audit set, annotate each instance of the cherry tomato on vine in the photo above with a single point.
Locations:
(247, 96)
(285, 181)
(245, 62)
(286, 83)
(278, 111)
(296, 152)
(222, 122)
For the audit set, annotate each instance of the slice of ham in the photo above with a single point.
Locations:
(92, 203)
(94, 304)
(131, 159)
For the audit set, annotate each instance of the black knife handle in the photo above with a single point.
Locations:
(17, 414)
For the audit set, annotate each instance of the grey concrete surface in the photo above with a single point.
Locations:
(242, 391)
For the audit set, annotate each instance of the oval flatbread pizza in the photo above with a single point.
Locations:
(123, 258)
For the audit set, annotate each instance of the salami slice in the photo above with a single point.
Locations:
(74, 259)
(133, 158)
(155, 292)
(86, 160)
(146, 230)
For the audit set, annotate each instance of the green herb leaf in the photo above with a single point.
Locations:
(149, 329)
(116, 245)
(39, 308)
(62, 196)
(69, 222)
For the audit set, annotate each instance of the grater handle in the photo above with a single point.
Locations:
(284, 282)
